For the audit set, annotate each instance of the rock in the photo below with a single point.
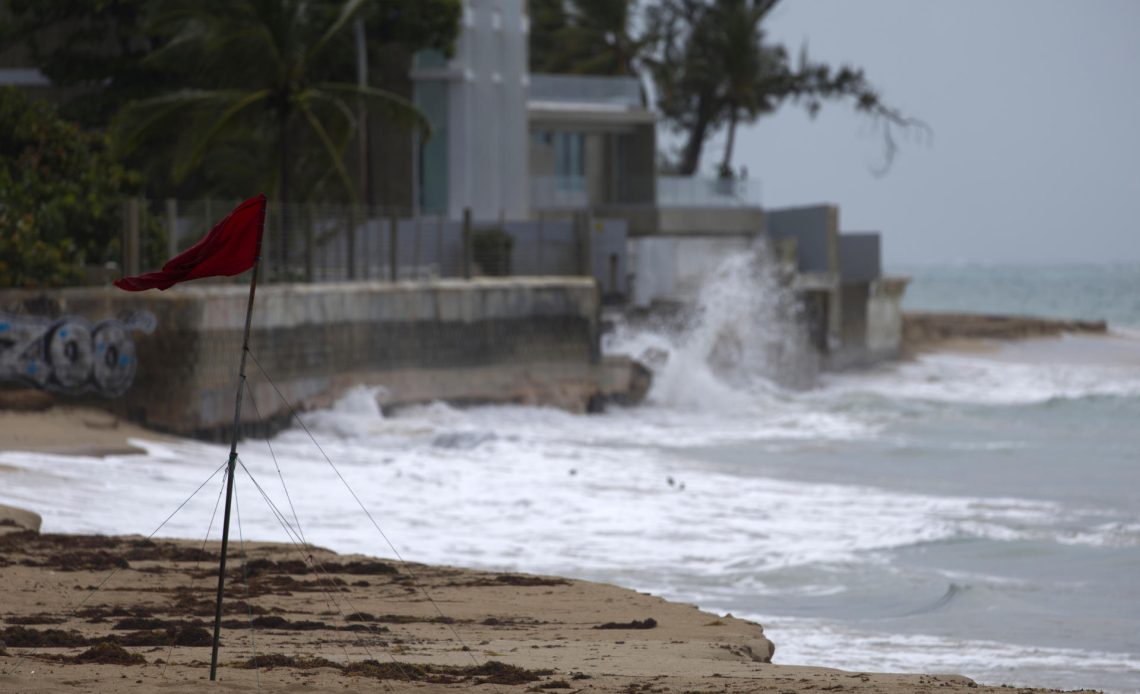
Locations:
(11, 516)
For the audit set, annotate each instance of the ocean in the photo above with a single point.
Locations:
(974, 512)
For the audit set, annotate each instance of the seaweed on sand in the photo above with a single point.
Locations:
(107, 653)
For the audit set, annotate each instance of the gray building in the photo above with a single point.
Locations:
(476, 103)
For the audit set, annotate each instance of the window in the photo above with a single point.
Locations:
(570, 160)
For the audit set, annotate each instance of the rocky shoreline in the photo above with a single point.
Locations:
(926, 331)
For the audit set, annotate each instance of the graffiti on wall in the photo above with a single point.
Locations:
(69, 355)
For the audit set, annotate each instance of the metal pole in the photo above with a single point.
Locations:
(230, 470)
(394, 247)
(467, 260)
(172, 226)
(131, 247)
(541, 224)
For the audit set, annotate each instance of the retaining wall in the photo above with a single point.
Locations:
(529, 340)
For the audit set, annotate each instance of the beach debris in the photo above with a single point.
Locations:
(107, 653)
(555, 684)
(491, 672)
(35, 619)
(648, 623)
(520, 580)
(23, 637)
(273, 660)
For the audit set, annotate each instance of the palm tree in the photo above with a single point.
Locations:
(263, 85)
(587, 37)
(713, 68)
(744, 65)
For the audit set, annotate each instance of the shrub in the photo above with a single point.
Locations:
(491, 249)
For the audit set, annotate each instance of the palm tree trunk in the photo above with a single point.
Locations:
(283, 191)
(698, 133)
(726, 164)
(691, 153)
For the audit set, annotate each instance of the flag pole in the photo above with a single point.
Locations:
(233, 462)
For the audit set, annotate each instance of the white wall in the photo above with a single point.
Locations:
(488, 146)
(673, 268)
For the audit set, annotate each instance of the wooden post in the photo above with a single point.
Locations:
(582, 224)
(439, 243)
(131, 237)
(310, 246)
(416, 249)
(171, 227)
(541, 227)
(467, 259)
(393, 247)
(351, 250)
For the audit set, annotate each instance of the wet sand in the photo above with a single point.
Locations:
(310, 620)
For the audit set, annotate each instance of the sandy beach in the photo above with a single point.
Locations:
(315, 621)
(309, 619)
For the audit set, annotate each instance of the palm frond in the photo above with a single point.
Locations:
(334, 154)
(346, 13)
(183, 165)
(385, 102)
(139, 119)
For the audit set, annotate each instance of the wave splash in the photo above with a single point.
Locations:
(743, 336)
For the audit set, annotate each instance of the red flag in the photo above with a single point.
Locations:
(231, 247)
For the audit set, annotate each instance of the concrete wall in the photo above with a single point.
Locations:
(816, 230)
(859, 258)
(509, 340)
(674, 268)
(652, 220)
(885, 318)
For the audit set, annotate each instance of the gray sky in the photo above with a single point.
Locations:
(1035, 106)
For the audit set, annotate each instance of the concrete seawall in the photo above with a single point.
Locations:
(526, 340)
(926, 330)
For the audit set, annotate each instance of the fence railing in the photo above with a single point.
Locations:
(691, 191)
(329, 243)
(562, 192)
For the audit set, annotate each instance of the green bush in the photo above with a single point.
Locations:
(491, 249)
(61, 196)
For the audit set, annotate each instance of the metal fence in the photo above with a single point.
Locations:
(329, 243)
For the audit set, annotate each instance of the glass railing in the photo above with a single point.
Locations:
(618, 91)
(558, 192)
(689, 191)
(554, 192)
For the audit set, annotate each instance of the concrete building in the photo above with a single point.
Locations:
(592, 143)
(476, 104)
(509, 145)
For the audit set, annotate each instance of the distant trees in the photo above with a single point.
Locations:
(270, 92)
(60, 195)
(96, 50)
(592, 37)
(201, 97)
(229, 96)
(710, 63)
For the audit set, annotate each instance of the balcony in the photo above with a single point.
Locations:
(573, 192)
(558, 193)
(690, 191)
(603, 92)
